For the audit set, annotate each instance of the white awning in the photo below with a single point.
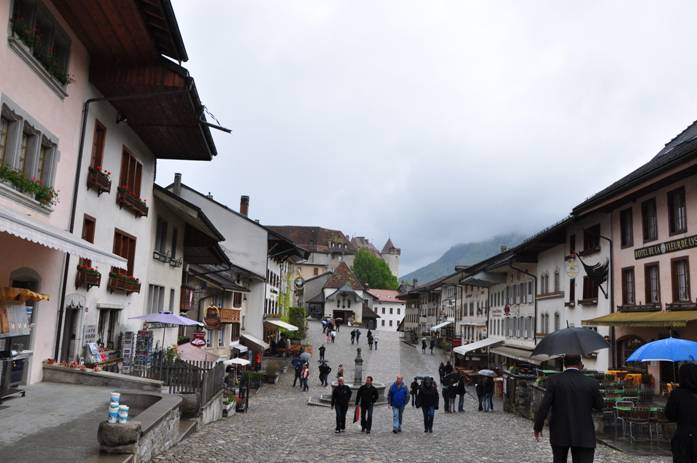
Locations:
(281, 324)
(25, 227)
(514, 353)
(488, 342)
(252, 342)
(238, 346)
(441, 325)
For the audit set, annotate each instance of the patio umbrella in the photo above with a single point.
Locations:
(236, 361)
(166, 318)
(665, 350)
(486, 372)
(579, 341)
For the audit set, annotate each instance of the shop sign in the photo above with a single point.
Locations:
(664, 248)
(212, 318)
(229, 315)
(89, 334)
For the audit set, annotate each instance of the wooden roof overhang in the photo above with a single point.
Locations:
(126, 41)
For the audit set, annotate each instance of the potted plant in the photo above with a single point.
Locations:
(271, 373)
(229, 404)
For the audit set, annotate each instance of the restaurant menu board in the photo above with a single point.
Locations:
(143, 348)
(89, 334)
(127, 350)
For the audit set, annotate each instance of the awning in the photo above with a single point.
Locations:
(440, 325)
(473, 323)
(281, 324)
(238, 346)
(253, 343)
(488, 342)
(674, 319)
(518, 354)
(25, 227)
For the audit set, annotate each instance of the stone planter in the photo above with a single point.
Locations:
(271, 378)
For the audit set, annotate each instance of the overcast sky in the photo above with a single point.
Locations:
(433, 122)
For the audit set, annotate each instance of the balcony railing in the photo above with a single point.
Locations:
(87, 277)
(130, 201)
(98, 180)
(120, 282)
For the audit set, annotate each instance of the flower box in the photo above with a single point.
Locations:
(130, 201)
(87, 277)
(121, 282)
(98, 180)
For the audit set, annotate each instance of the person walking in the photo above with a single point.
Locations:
(427, 400)
(333, 335)
(488, 394)
(370, 342)
(682, 408)
(341, 396)
(366, 397)
(414, 389)
(324, 371)
(423, 346)
(298, 366)
(448, 368)
(432, 345)
(452, 394)
(375, 342)
(321, 349)
(353, 336)
(441, 372)
(446, 397)
(304, 377)
(461, 391)
(358, 335)
(340, 371)
(571, 396)
(397, 399)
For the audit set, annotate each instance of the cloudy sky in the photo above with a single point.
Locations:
(433, 122)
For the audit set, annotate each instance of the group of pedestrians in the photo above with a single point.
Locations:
(302, 374)
(431, 345)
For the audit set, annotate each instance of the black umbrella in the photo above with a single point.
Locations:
(580, 341)
(450, 379)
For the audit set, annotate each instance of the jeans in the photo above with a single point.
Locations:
(413, 400)
(578, 454)
(429, 413)
(397, 418)
(461, 403)
(366, 417)
(341, 416)
(303, 383)
(487, 402)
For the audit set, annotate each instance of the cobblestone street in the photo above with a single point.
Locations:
(281, 427)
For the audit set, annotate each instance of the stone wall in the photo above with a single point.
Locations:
(213, 410)
(159, 438)
(58, 374)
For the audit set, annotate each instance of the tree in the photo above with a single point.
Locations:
(373, 271)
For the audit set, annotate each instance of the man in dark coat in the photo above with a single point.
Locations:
(448, 368)
(682, 408)
(432, 345)
(353, 336)
(341, 396)
(427, 400)
(461, 391)
(414, 389)
(321, 349)
(571, 396)
(324, 371)
(298, 367)
(423, 346)
(479, 389)
(366, 397)
(358, 335)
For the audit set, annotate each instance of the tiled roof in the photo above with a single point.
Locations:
(316, 239)
(385, 295)
(678, 150)
(343, 276)
(361, 242)
(390, 248)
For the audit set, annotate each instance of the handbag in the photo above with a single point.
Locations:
(357, 413)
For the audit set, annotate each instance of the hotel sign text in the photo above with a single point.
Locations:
(664, 248)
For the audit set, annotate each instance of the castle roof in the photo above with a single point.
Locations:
(343, 276)
(390, 248)
(316, 239)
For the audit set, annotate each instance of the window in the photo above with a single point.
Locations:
(649, 220)
(530, 299)
(590, 289)
(107, 327)
(677, 211)
(125, 246)
(652, 283)
(391, 310)
(43, 164)
(171, 299)
(383, 311)
(591, 239)
(98, 145)
(131, 173)
(237, 300)
(626, 228)
(628, 286)
(26, 148)
(391, 322)
(161, 236)
(382, 322)
(557, 321)
(398, 310)
(572, 244)
(572, 290)
(681, 279)
(156, 299)
(315, 271)
(4, 135)
(34, 25)
(88, 226)
(557, 281)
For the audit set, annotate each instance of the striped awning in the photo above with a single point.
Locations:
(663, 318)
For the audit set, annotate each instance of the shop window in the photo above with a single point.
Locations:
(628, 286)
(680, 275)
(649, 220)
(626, 228)
(652, 283)
(677, 211)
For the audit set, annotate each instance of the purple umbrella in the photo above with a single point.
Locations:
(166, 318)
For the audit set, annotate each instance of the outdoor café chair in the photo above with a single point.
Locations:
(638, 417)
(624, 410)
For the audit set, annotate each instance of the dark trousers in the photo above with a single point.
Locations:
(428, 417)
(578, 454)
(413, 400)
(295, 380)
(366, 417)
(461, 403)
(341, 415)
(321, 355)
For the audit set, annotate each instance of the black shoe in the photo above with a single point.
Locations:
(399, 429)
(425, 430)
(394, 431)
(431, 431)
(367, 431)
(337, 431)
(363, 430)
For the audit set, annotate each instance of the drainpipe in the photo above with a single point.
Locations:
(76, 186)
(611, 290)
(534, 277)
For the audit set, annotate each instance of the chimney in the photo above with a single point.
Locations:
(177, 187)
(415, 281)
(244, 205)
(503, 248)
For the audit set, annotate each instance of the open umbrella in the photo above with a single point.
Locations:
(579, 341)
(305, 356)
(665, 350)
(236, 361)
(486, 372)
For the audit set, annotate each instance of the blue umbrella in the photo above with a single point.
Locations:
(665, 350)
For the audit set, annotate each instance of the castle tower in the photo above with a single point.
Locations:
(390, 254)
